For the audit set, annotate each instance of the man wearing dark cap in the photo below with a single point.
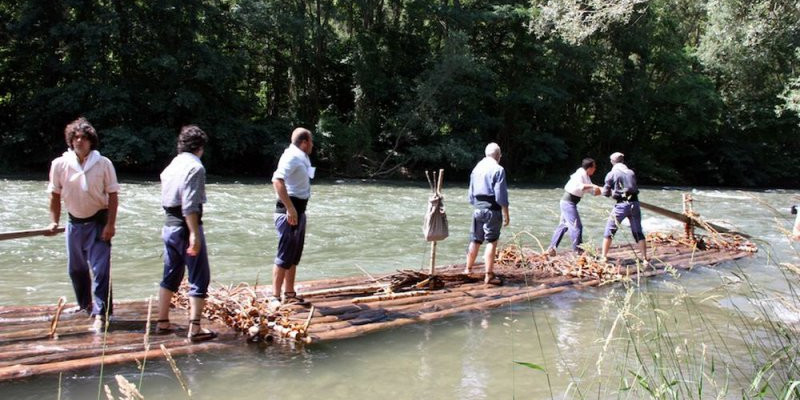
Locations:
(620, 185)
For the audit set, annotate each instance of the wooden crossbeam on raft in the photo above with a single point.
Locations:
(687, 219)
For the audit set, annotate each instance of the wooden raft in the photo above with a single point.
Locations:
(342, 308)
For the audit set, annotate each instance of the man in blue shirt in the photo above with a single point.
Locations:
(620, 185)
(488, 194)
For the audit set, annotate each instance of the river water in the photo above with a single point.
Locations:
(356, 227)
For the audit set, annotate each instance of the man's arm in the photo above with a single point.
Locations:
(193, 222)
(592, 188)
(110, 229)
(506, 218)
(283, 195)
(608, 184)
(55, 212)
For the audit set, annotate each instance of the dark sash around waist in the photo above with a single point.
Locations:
(631, 198)
(101, 217)
(175, 216)
(570, 198)
(484, 201)
(299, 205)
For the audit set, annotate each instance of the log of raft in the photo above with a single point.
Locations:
(340, 308)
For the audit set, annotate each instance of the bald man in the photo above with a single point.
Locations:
(488, 194)
(292, 184)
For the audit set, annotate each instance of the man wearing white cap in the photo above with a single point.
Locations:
(620, 184)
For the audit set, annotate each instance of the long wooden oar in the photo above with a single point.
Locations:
(687, 219)
(28, 233)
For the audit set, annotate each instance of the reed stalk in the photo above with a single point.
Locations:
(177, 372)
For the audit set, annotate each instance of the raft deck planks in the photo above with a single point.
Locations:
(27, 350)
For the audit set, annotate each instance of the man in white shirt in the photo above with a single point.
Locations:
(292, 183)
(578, 184)
(796, 230)
(87, 182)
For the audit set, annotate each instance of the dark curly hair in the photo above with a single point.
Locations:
(81, 125)
(191, 139)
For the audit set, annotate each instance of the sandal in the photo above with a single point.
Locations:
(201, 335)
(165, 331)
(290, 298)
(492, 279)
(98, 325)
(273, 304)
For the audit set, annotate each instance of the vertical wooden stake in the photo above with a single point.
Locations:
(688, 211)
(439, 184)
(433, 257)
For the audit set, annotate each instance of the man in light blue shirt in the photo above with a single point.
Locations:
(292, 183)
(488, 194)
(183, 193)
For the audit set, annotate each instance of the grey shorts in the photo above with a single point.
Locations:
(486, 225)
(632, 212)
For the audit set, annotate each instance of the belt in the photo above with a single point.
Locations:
(630, 199)
(570, 198)
(175, 216)
(298, 203)
(484, 201)
(99, 217)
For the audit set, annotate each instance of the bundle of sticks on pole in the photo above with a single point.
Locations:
(434, 225)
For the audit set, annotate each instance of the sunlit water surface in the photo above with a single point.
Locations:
(358, 227)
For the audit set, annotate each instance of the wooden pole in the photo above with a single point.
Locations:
(686, 219)
(433, 257)
(687, 210)
(28, 233)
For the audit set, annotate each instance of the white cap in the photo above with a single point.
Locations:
(617, 158)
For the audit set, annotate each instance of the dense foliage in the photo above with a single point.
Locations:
(695, 92)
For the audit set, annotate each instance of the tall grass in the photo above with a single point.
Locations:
(733, 340)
